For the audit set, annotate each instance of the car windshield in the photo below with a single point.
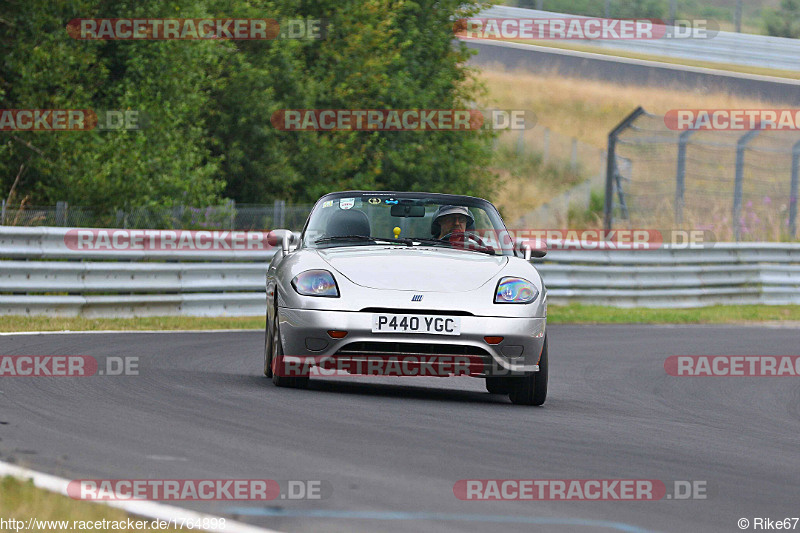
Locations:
(406, 219)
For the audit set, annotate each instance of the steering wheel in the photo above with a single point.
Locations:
(467, 235)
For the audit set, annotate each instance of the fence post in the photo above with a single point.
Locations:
(177, 215)
(3, 214)
(232, 207)
(521, 142)
(738, 16)
(741, 146)
(61, 213)
(546, 145)
(793, 191)
(611, 165)
(573, 158)
(278, 214)
(680, 178)
(540, 5)
(608, 9)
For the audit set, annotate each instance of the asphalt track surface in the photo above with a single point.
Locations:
(624, 71)
(392, 448)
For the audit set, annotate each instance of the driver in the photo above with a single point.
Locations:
(451, 219)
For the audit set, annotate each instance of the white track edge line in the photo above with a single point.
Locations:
(147, 509)
(106, 331)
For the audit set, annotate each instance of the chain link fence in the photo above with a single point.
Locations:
(740, 185)
(567, 173)
(230, 216)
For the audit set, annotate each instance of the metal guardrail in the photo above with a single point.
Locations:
(164, 283)
(46, 242)
(726, 47)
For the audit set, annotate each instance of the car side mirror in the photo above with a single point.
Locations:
(286, 239)
(538, 250)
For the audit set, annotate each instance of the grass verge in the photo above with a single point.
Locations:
(557, 314)
(21, 501)
(718, 314)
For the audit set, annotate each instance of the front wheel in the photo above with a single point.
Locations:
(276, 360)
(268, 350)
(532, 388)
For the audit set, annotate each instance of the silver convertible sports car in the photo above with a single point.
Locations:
(400, 283)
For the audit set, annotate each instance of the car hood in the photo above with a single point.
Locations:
(414, 269)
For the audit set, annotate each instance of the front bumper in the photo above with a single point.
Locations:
(304, 334)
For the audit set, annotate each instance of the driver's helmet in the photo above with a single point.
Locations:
(445, 210)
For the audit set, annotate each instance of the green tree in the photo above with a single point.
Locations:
(209, 103)
(785, 21)
(378, 54)
(166, 163)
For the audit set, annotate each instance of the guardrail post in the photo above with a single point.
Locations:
(680, 178)
(741, 146)
(611, 165)
(793, 191)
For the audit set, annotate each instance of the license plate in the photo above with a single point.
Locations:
(426, 324)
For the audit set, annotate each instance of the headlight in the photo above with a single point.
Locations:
(515, 291)
(316, 283)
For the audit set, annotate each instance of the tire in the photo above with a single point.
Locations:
(267, 350)
(498, 385)
(532, 388)
(276, 359)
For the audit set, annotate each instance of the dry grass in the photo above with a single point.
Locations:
(587, 110)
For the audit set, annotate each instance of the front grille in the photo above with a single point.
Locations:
(414, 311)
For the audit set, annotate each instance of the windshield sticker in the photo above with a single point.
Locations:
(391, 201)
(347, 203)
(329, 203)
(374, 201)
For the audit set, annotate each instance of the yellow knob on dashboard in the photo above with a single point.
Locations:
(397, 232)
